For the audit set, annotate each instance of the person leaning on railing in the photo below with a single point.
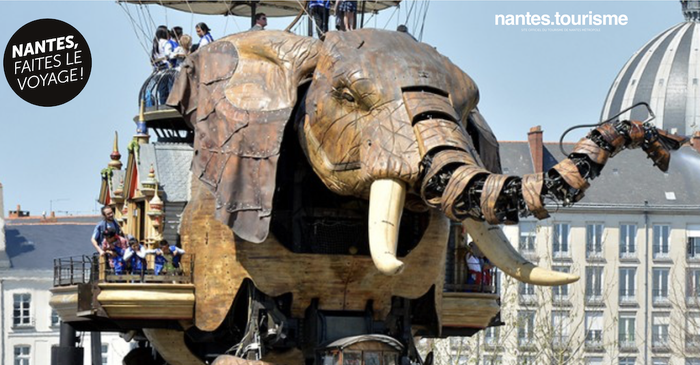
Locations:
(113, 247)
(107, 222)
(135, 257)
(167, 258)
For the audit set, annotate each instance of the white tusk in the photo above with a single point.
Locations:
(494, 245)
(386, 201)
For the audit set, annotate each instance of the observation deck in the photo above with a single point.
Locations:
(91, 297)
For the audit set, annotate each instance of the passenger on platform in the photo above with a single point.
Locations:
(473, 266)
(204, 36)
(486, 266)
(135, 257)
(107, 222)
(113, 247)
(260, 22)
(161, 49)
(348, 8)
(182, 50)
(173, 43)
(320, 12)
(167, 258)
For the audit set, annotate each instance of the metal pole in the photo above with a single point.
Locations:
(253, 10)
(66, 353)
(362, 17)
(96, 347)
(646, 283)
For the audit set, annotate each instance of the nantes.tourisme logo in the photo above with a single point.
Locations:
(47, 62)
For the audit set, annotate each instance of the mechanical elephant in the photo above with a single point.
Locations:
(378, 116)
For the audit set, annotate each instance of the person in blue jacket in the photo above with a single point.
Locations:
(135, 256)
(167, 257)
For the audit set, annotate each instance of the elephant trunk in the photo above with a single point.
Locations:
(451, 170)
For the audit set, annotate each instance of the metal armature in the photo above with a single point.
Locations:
(457, 185)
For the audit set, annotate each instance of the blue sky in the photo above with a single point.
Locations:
(526, 78)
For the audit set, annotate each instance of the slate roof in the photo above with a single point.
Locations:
(171, 162)
(629, 179)
(33, 246)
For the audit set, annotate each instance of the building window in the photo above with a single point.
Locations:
(627, 281)
(660, 361)
(526, 328)
(493, 360)
(659, 331)
(491, 336)
(560, 328)
(594, 361)
(528, 233)
(626, 331)
(22, 355)
(594, 329)
(660, 286)
(594, 240)
(692, 332)
(526, 360)
(628, 361)
(104, 351)
(560, 293)
(628, 241)
(55, 319)
(692, 290)
(560, 241)
(527, 293)
(594, 285)
(456, 345)
(20, 314)
(660, 247)
(693, 244)
(692, 361)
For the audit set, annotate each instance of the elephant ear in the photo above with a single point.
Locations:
(238, 94)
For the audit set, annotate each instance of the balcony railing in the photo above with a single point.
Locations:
(627, 343)
(561, 341)
(594, 299)
(156, 89)
(486, 283)
(72, 270)
(628, 255)
(94, 269)
(692, 343)
(659, 343)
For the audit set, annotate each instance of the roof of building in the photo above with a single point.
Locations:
(31, 245)
(171, 163)
(663, 73)
(628, 179)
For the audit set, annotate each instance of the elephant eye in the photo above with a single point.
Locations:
(347, 97)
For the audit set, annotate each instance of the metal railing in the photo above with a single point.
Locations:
(156, 88)
(484, 284)
(95, 269)
(72, 270)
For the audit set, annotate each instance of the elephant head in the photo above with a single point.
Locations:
(381, 117)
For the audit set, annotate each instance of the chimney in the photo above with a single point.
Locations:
(695, 141)
(534, 139)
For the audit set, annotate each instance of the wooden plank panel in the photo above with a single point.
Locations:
(474, 310)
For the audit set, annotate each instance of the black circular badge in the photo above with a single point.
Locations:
(47, 62)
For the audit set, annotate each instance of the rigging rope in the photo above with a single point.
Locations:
(425, 15)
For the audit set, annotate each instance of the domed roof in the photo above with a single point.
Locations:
(663, 73)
